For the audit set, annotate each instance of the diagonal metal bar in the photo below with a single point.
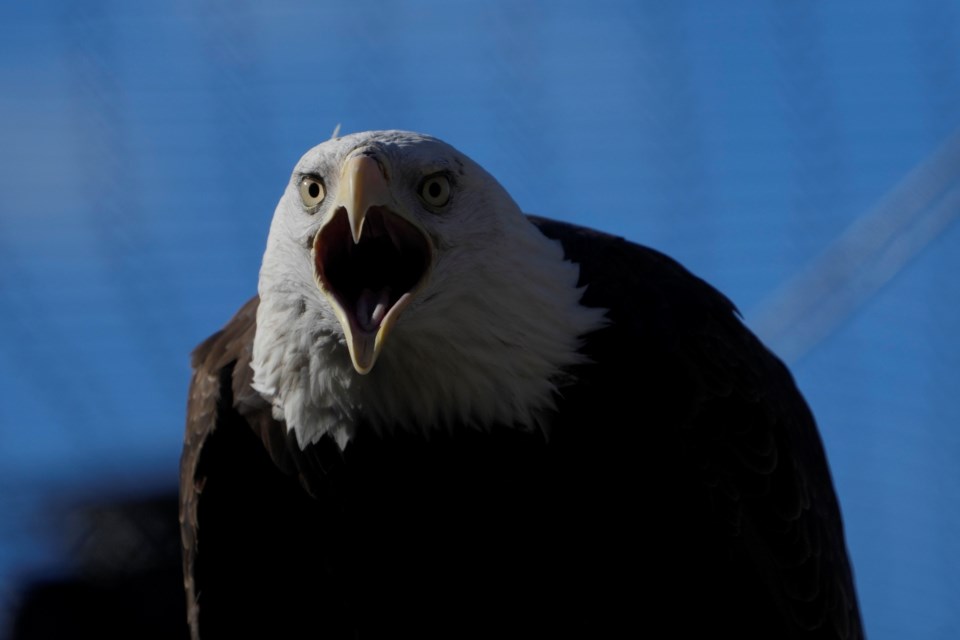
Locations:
(809, 307)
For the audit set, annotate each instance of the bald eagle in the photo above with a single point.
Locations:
(441, 417)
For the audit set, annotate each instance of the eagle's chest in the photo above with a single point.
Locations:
(476, 530)
(493, 529)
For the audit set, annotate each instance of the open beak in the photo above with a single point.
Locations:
(369, 259)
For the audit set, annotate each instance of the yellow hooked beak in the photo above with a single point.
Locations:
(370, 259)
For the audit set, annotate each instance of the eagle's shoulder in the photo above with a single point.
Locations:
(677, 353)
(222, 408)
(625, 276)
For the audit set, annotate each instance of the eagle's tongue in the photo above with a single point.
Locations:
(371, 307)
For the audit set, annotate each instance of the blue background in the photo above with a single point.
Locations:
(801, 156)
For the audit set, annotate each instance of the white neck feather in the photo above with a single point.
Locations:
(488, 351)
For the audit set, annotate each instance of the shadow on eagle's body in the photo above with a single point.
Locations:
(669, 480)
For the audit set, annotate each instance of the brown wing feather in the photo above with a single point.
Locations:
(749, 433)
(760, 450)
(227, 350)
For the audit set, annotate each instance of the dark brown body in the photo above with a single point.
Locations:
(681, 491)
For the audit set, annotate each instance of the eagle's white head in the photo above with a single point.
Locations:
(402, 285)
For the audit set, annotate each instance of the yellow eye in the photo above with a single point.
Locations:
(311, 191)
(435, 190)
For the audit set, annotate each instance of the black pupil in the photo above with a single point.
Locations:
(434, 189)
(314, 190)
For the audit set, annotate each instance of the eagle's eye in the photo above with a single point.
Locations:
(435, 190)
(311, 191)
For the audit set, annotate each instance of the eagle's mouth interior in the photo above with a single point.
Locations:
(367, 278)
